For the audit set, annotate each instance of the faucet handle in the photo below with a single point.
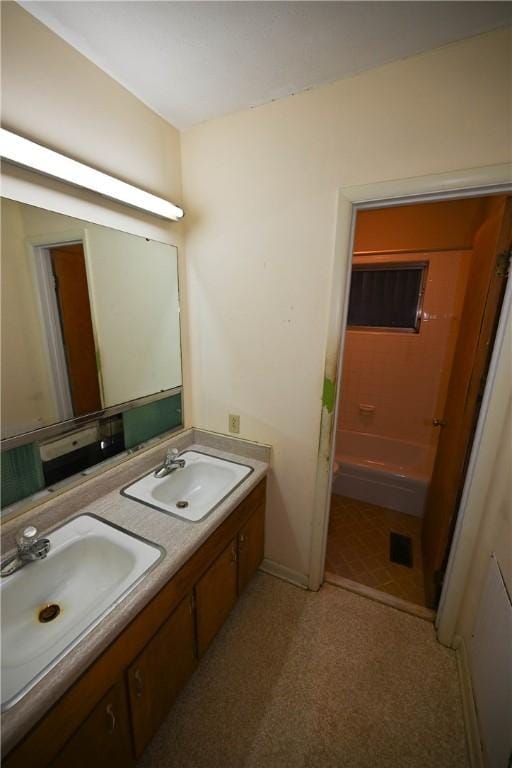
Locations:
(26, 537)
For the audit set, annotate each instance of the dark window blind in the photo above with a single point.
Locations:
(385, 297)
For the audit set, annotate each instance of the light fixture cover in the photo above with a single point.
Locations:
(28, 154)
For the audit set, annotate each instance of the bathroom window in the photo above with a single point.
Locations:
(387, 296)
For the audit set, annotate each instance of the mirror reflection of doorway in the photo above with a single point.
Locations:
(72, 295)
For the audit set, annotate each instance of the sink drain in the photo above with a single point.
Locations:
(49, 613)
(182, 504)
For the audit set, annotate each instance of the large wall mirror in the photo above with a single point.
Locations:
(90, 323)
(90, 318)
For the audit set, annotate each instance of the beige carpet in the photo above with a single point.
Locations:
(316, 680)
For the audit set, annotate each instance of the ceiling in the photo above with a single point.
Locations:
(193, 61)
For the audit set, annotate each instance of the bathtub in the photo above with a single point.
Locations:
(384, 471)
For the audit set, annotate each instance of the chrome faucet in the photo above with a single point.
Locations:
(171, 463)
(28, 549)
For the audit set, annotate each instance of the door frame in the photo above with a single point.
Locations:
(52, 332)
(39, 257)
(469, 182)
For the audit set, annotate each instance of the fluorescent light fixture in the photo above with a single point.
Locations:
(28, 154)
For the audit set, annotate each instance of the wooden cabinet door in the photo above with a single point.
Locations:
(103, 740)
(160, 671)
(478, 324)
(216, 595)
(251, 542)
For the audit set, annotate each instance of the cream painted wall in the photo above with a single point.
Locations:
(54, 95)
(260, 188)
(28, 400)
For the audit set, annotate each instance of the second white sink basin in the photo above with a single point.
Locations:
(50, 604)
(192, 492)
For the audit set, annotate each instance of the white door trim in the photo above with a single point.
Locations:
(479, 474)
(39, 257)
(50, 323)
(469, 182)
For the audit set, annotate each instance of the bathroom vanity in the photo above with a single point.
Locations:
(102, 703)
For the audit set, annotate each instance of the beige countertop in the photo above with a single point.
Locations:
(179, 538)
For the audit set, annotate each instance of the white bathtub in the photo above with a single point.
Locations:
(381, 470)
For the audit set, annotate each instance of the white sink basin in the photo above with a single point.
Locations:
(91, 566)
(192, 492)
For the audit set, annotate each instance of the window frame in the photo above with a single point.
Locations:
(396, 265)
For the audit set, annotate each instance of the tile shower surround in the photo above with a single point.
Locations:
(405, 375)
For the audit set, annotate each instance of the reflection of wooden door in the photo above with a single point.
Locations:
(482, 304)
(68, 266)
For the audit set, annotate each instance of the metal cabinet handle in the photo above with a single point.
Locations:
(439, 422)
(234, 555)
(243, 540)
(111, 718)
(139, 687)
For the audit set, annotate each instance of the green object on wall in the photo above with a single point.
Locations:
(141, 424)
(22, 473)
(328, 395)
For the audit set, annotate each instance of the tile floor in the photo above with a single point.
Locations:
(358, 548)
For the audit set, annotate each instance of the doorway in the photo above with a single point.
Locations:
(61, 280)
(425, 296)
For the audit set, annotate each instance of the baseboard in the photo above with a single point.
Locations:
(474, 746)
(286, 574)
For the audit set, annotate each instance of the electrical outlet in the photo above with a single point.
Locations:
(234, 423)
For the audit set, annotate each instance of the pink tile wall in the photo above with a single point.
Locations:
(404, 376)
